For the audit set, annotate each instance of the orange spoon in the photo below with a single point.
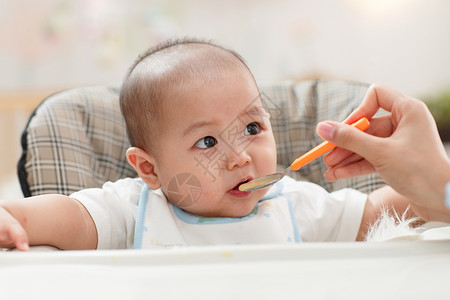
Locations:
(269, 180)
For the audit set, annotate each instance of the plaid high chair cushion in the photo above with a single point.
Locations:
(76, 139)
(296, 108)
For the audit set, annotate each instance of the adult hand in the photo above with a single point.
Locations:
(403, 146)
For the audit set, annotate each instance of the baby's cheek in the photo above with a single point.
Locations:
(268, 159)
(184, 190)
(207, 196)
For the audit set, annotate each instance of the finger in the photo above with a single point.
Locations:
(368, 107)
(349, 160)
(18, 237)
(350, 138)
(377, 96)
(380, 126)
(337, 156)
(362, 167)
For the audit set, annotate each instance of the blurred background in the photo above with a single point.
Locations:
(49, 45)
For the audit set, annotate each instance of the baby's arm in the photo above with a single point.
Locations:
(384, 198)
(54, 220)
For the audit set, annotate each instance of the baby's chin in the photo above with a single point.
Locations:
(225, 213)
(235, 213)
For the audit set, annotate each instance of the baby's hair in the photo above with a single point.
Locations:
(157, 72)
(175, 42)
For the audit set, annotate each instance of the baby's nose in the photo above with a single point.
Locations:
(240, 159)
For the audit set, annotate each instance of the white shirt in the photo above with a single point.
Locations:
(288, 207)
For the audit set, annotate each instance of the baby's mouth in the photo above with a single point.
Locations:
(236, 188)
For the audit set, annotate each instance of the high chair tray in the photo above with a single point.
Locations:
(389, 270)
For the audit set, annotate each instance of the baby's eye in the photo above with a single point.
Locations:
(252, 129)
(206, 142)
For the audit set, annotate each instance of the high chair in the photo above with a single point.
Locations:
(76, 138)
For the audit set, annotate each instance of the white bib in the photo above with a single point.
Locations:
(160, 224)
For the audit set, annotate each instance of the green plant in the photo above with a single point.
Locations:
(439, 107)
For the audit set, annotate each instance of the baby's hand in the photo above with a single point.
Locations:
(11, 232)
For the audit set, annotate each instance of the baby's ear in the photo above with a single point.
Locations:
(144, 164)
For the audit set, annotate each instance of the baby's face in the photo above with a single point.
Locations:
(219, 136)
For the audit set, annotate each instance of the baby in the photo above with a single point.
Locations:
(184, 101)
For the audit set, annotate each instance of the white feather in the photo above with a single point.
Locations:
(392, 227)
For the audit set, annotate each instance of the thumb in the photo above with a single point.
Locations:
(347, 137)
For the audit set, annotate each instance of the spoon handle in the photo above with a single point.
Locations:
(361, 124)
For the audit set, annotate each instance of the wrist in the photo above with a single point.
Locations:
(440, 183)
(427, 180)
(432, 197)
(444, 183)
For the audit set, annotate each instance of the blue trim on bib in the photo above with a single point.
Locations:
(297, 237)
(273, 192)
(194, 219)
(140, 217)
(276, 191)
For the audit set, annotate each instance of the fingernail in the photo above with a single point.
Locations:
(24, 246)
(325, 130)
